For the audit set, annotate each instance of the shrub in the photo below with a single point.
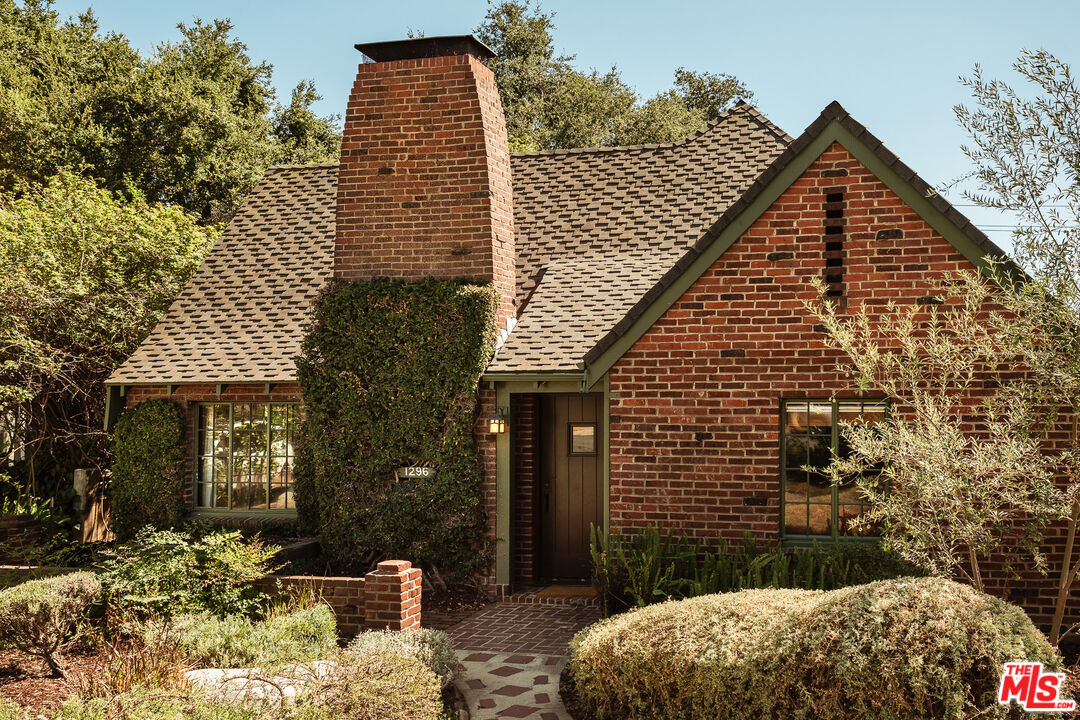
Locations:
(148, 705)
(167, 573)
(388, 373)
(39, 616)
(12, 711)
(382, 687)
(907, 648)
(431, 647)
(147, 480)
(652, 566)
(236, 641)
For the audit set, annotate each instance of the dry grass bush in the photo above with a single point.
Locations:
(379, 687)
(890, 650)
(153, 658)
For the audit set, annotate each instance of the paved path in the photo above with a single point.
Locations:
(510, 657)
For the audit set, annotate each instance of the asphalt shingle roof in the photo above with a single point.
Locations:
(240, 318)
(607, 224)
(595, 230)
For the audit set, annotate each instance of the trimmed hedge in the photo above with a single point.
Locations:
(906, 648)
(388, 373)
(147, 480)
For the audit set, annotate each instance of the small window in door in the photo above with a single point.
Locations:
(582, 438)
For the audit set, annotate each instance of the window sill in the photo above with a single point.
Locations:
(211, 512)
(278, 520)
(805, 541)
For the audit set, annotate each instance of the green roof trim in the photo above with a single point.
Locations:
(833, 125)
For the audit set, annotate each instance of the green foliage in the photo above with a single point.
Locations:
(39, 616)
(896, 649)
(147, 480)
(653, 566)
(149, 704)
(11, 710)
(169, 573)
(194, 123)
(236, 641)
(550, 104)
(388, 374)
(84, 276)
(431, 647)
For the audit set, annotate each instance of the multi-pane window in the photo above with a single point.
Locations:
(245, 456)
(810, 432)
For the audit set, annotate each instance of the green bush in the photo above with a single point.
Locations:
(12, 711)
(167, 573)
(236, 641)
(431, 647)
(895, 649)
(388, 373)
(653, 566)
(39, 616)
(146, 484)
(150, 705)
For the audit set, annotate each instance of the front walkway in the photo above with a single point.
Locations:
(510, 657)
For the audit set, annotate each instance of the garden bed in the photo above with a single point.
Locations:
(28, 682)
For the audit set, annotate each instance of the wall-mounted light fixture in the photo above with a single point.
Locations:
(497, 423)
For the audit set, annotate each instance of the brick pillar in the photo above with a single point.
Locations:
(392, 596)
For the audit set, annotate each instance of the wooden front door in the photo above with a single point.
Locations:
(571, 486)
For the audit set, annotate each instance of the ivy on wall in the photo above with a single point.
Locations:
(388, 374)
(146, 484)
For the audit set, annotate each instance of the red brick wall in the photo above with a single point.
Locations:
(188, 396)
(424, 183)
(523, 411)
(486, 443)
(739, 340)
(18, 533)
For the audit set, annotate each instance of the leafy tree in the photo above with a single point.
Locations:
(84, 276)
(194, 123)
(966, 481)
(550, 104)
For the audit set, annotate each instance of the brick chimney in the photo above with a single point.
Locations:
(424, 185)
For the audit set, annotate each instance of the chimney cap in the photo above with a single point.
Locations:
(425, 47)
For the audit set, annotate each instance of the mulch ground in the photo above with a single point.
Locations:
(28, 682)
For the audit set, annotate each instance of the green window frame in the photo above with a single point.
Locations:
(244, 456)
(811, 507)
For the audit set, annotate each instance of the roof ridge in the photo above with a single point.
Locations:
(739, 105)
(768, 124)
(305, 166)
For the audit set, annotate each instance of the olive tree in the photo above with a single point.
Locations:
(984, 453)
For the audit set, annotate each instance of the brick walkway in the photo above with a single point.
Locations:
(511, 655)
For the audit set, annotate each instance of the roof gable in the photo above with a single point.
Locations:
(833, 125)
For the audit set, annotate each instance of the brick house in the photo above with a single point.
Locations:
(656, 363)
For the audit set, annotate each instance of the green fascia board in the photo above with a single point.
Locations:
(531, 377)
(833, 132)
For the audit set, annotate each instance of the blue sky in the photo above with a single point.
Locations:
(893, 65)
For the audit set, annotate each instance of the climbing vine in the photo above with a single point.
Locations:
(388, 374)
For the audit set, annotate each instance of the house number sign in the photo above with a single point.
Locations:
(415, 471)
